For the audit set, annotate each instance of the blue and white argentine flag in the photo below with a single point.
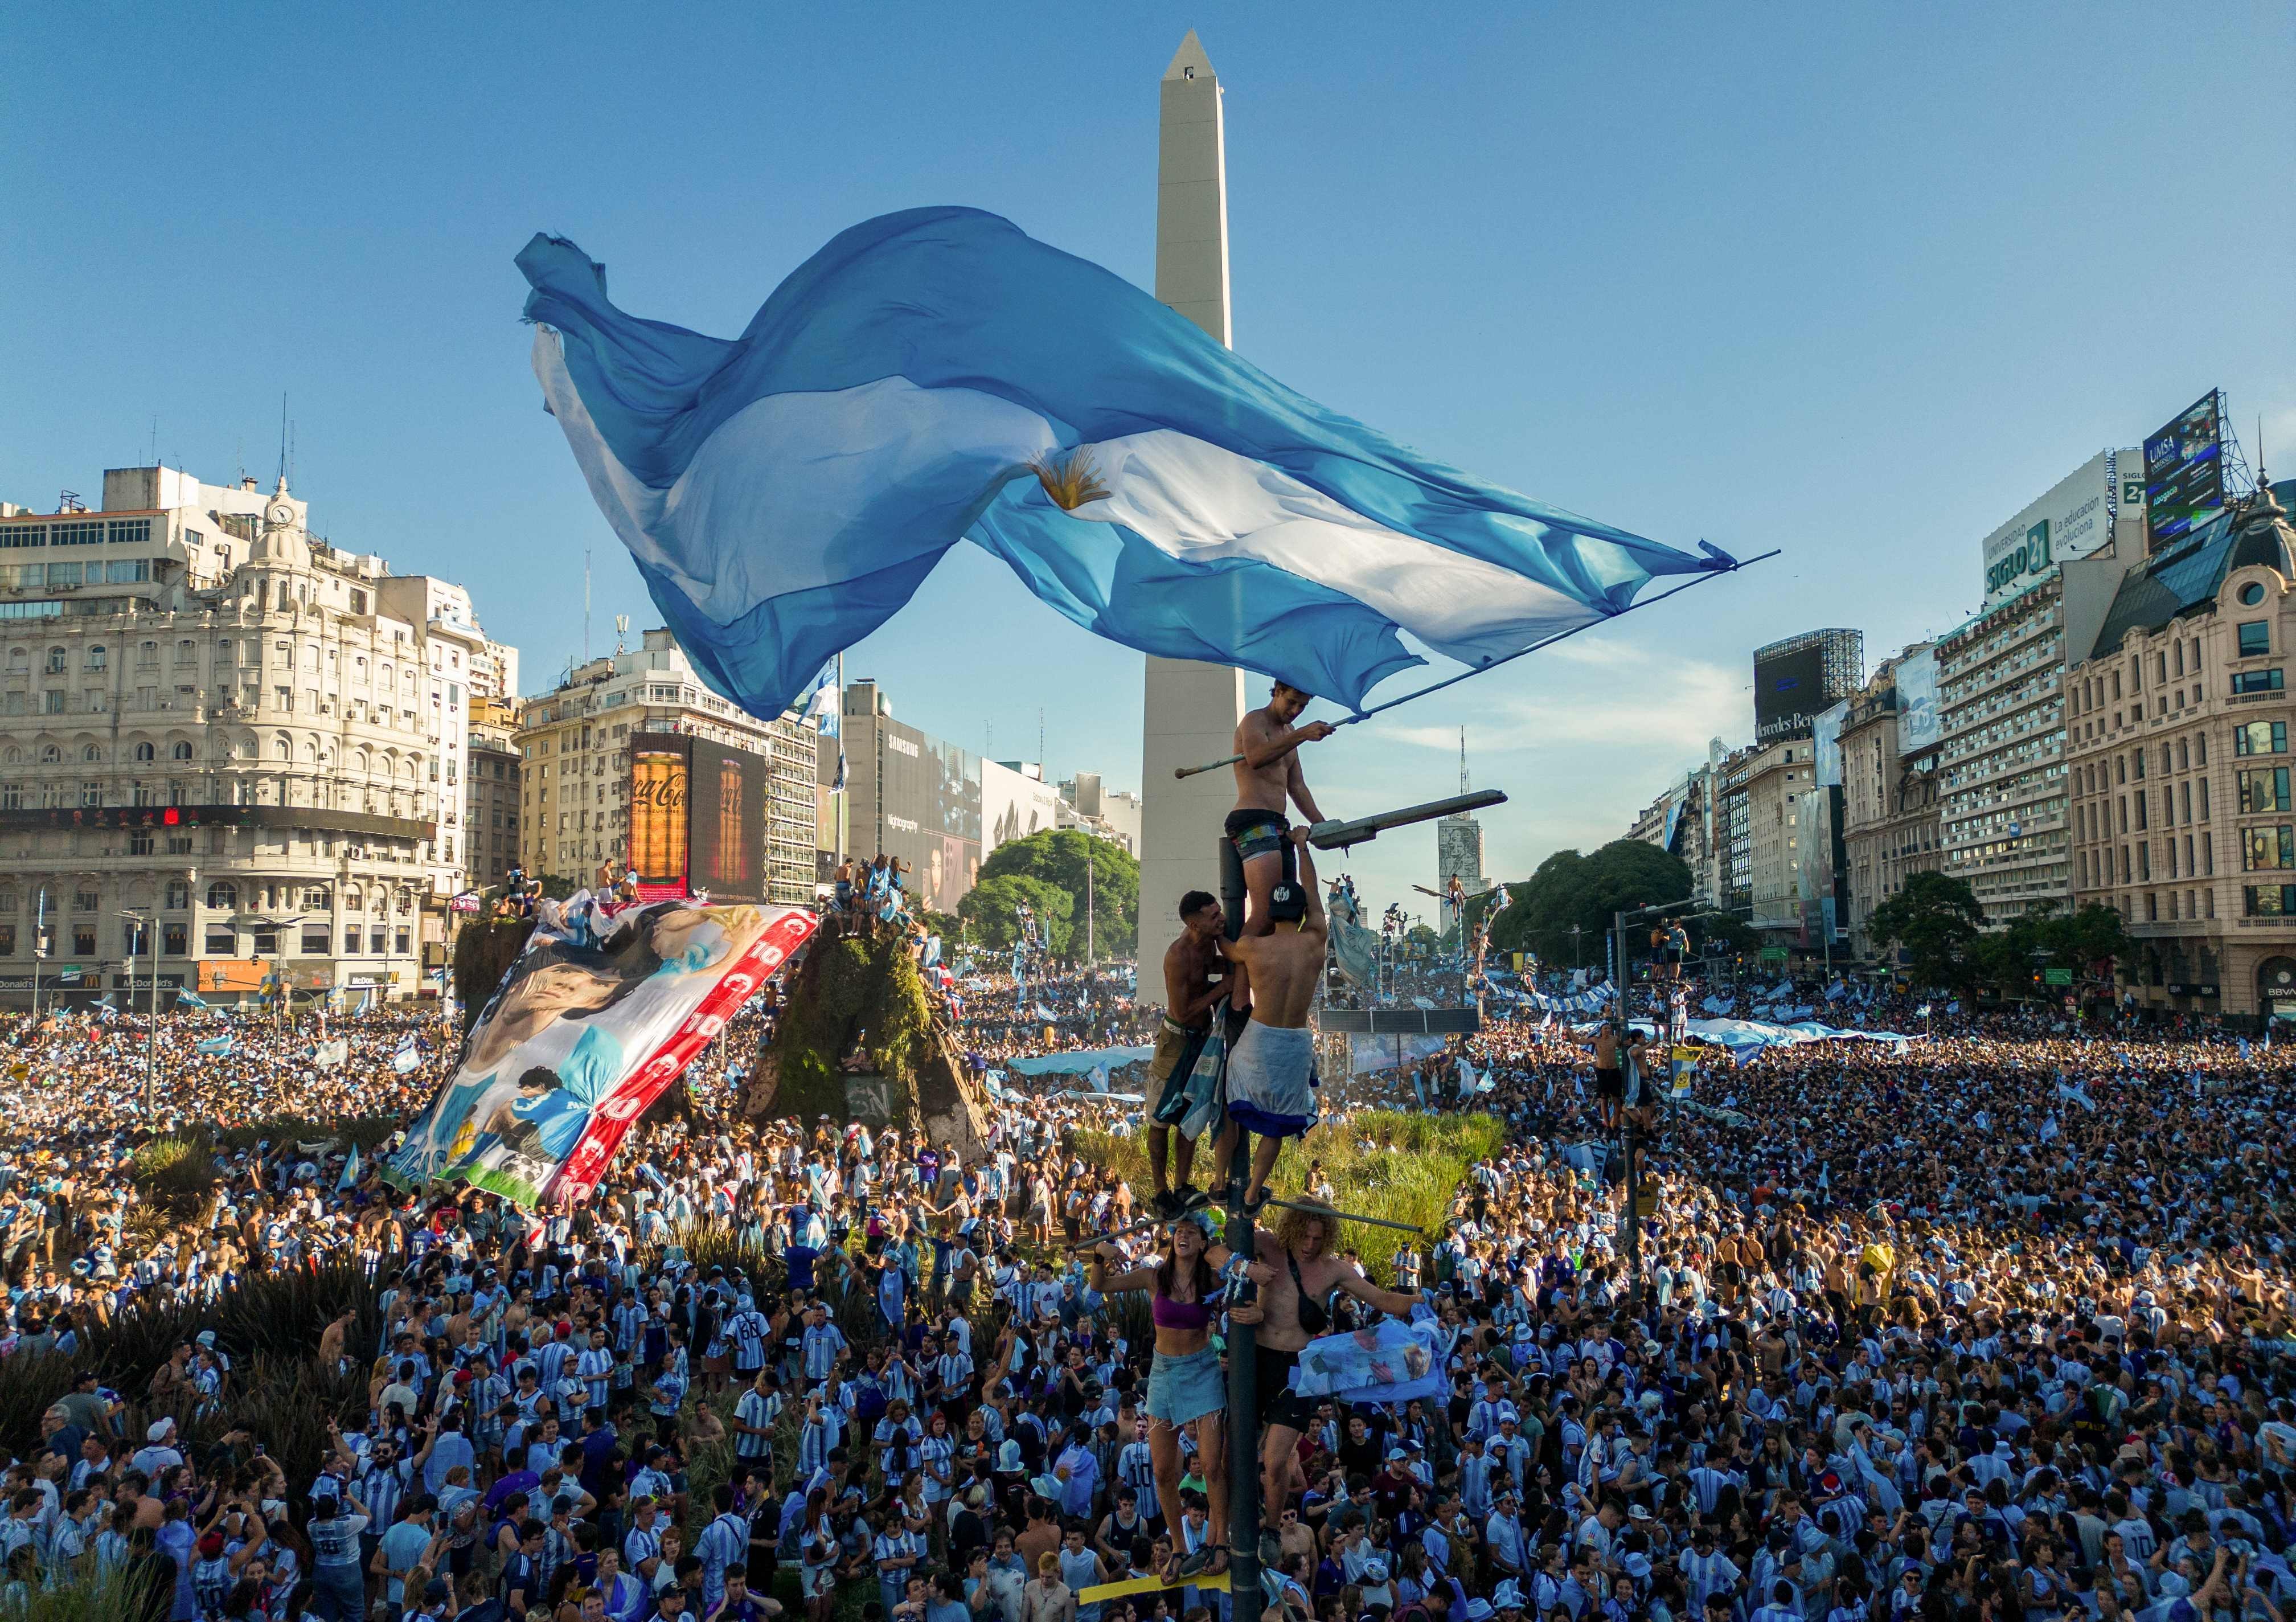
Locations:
(937, 375)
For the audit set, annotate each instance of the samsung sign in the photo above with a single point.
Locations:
(2071, 521)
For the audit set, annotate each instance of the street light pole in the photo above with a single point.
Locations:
(1628, 1136)
(147, 924)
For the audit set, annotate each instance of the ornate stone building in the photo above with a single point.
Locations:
(2180, 717)
(219, 722)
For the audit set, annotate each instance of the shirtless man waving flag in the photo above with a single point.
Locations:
(1267, 779)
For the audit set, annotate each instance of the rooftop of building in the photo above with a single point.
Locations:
(2185, 577)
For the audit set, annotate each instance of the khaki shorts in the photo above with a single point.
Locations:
(1176, 1051)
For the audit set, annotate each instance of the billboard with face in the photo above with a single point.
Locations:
(1917, 702)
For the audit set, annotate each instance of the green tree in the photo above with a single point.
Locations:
(2085, 944)
(1587, 890)
(1058, 857)
(2089, 941)
(989, 910)
(1938, 923)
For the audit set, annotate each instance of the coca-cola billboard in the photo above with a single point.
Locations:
(698, 816)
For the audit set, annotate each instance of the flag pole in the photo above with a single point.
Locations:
(838, 815)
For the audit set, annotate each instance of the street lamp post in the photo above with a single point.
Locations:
(1626, 1133)
(147, 924)
(279, 960)
(1576, 931)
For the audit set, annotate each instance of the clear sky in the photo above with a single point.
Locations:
(1857, 282)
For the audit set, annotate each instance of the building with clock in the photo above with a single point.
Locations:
(226, 743)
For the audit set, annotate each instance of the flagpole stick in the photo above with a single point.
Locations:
(1452, 681)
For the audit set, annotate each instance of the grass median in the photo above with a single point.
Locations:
(1384, 1163)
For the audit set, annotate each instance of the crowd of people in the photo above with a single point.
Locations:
(1992, 1326)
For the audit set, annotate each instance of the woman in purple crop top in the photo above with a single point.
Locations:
(1187, 1389)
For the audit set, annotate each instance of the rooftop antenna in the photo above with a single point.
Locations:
(585, 605)
(283, 436)
(621, 630)
(1041, 766)
(155, 438)
(1463, 760)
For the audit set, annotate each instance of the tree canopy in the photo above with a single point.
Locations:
(1937, 922)
(1572, 888)
(1057, 859)
(990, 911)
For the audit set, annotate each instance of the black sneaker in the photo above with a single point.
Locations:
(1194, 1199)
(1167, 1204)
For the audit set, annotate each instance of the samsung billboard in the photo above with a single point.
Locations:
(2072, 521)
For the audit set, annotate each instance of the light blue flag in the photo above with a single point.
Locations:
(188, 998)
(937, 375)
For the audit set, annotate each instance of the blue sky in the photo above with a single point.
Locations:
(1854, 281)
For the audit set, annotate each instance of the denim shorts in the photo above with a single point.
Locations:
(1183, 1388)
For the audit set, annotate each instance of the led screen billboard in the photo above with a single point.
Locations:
(2184, 471)
(726, 823)
(698, 816)
(1789, 691)
(660, 769)
(928, 812)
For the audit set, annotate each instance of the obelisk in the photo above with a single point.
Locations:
(1190, 709)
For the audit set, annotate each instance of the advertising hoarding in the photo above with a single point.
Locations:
(1816, 826)
(1014, 806)
(928, 812)
(2184, 471)
(1918, 721)
(697, 817)
(1788, 690)
(2072, 521)
(1826, 743)
(228, 974)
(659, 774)
(726, 823)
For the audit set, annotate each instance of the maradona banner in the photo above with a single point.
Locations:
(599, 1014)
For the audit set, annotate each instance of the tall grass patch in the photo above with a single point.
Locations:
(1386, 1163)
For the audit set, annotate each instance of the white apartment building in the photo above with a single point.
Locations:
(210, 717)
(2001, 756)
(574, 743)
